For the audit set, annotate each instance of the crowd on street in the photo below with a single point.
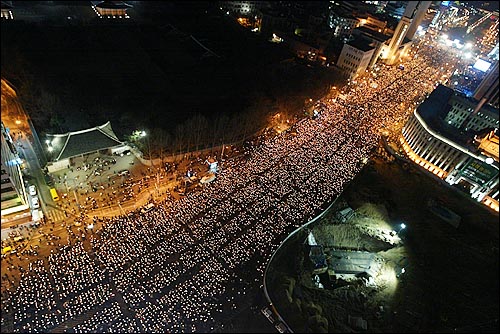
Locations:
(186, 264)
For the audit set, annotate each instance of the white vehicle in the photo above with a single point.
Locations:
(148, 208)
(35, 203)
(32, 190)
(123, 172)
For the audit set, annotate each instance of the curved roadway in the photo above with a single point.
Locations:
(198, 246)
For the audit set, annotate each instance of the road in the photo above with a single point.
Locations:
(195, 248)
(15, 118)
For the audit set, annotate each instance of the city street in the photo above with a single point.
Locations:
(184, 265)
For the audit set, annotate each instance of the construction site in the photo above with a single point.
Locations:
(397, 252)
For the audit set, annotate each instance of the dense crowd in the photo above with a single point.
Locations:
(184, 265)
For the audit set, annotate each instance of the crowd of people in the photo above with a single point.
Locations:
(183, 265)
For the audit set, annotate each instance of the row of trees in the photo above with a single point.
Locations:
(266, 87)
(201, 132)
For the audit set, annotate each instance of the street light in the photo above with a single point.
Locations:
(402, 227)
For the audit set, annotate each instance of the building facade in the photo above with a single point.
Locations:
(61, 148)
(397, 39)
(377, 39)
(415, 10)
(111, 9)
(355, 57)
(242, 8)
(462, 109)
(14, 195)
(342, 23)
(488, 88)
(440, 148)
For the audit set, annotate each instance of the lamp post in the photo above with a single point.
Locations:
(143, 134)
(402, 227)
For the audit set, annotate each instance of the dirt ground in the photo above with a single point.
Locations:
(450, 281)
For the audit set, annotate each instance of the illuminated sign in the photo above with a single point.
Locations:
(482, 65)
(478, 171)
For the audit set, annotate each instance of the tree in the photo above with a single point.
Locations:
(179, 138)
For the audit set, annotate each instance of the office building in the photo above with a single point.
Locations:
(488, 88)
(14, 195)
(466, 160)
(355, 57)
(416, 11)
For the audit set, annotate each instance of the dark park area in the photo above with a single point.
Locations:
(191, 76)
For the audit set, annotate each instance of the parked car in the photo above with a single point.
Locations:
(32, 190)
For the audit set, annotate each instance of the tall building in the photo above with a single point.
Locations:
(468, 161)
(355, 56)
(415, 10)
(461, 114)
(405, 30)
(377, 39)
(487, 90)
(342, 22)
(396, 40)
(14, 196)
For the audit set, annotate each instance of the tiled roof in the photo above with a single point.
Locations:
(81, 142)
(114, 5)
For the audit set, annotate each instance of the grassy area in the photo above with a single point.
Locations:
(451, 275)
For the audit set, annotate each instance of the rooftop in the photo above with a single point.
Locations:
(434, 109)
(489, 145)
(361, 44)
(351, 262)
(113, 5)
(84, 141)
(372, 34)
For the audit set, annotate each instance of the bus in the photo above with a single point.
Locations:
(54, 195)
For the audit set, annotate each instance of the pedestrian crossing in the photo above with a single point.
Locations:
(55, 215)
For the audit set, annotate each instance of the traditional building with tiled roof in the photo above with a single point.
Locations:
(62, 147)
